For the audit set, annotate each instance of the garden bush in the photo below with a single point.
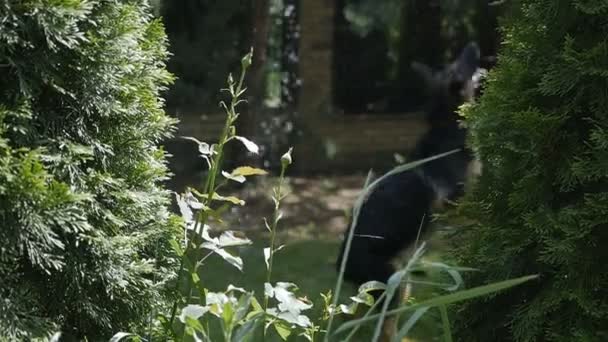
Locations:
(541, 205)
(84, 221)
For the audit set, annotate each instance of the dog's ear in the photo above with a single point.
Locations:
(468, 62)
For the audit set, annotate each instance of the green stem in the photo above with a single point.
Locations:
(273, 229)
(210, 189)
(447, 330)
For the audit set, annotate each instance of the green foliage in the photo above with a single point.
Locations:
(236, 314)
(542, 201)
(84, 222)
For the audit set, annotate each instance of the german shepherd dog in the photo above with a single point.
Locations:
(398, 207)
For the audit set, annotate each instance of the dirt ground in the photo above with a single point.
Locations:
(315, 208)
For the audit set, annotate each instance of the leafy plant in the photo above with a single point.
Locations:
(199, 314)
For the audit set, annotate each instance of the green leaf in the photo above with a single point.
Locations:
(176, 247)
(444, 300)
(371, 286)
(445, 322)
(232, 177)
(453, 272)
(249, 327)
(248, 171)
(363, 298)
(192, 311)
(120, 336)
(233, 260)
(349, 309)
(198, 284)
(203, 148)
(267, 257)
(282, 329)
(256, 305)
(218, 197)
(242, 307)
(228, 314)
(405, 329)
(250, 145)
(229, 239)
(195, 325)
(289, 307)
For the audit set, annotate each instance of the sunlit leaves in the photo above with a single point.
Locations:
(218, 197)
(239, 174)
(219, 244)
(289, 307)
(248, 171)
(267, 257)
(236, 178)
(226, 239)
(193, 311)
(250, 145)
(205, 150)
(123, 336)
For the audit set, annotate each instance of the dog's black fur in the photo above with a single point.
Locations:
(390, 218)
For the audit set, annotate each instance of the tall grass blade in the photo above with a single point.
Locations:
(409, 324)
(444, 300)
(445, 322)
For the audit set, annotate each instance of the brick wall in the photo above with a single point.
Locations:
(332, 141)
(354, 143)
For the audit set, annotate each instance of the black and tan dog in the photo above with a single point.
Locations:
(398, 206)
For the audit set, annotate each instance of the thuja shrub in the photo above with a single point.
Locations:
(541, 205)
(84, 223)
